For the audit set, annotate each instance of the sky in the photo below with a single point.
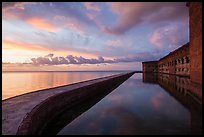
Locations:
(46, 36)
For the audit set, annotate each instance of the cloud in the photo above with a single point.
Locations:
(49, 55)
(93, 17)
(92, 6)
(140, 12)
(42, 24)
(10, 44)
(49, 42)
(11, 5)
(139, 57)
(6, 5)
(113, 43)
(70, 59)
(70, 23)
(156, 101)
(73, 16)
(169, 37)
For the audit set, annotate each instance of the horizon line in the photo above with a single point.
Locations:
(75, 71)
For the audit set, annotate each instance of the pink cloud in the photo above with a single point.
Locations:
(42, 24)
(50, 19)
(75, 25)
(113, 43)
(12, 5)
(93, 17)
(70, 23)
(156, 39)
(168, 37)
(115, 98)
(70, 59)
(11, 44)
(156, 101)
(92, 6)
(138, 12)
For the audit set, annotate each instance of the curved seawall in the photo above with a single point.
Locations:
(31, 113)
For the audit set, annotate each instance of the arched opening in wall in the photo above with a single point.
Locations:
(178, 61)
(182, 60)
(187, 59)
(175, 62)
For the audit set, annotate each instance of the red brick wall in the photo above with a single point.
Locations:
(150, 66)
(195, 13)
(174, 63)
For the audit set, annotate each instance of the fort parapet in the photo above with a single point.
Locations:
(176, 62)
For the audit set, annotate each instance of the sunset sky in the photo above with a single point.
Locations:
(90, 36)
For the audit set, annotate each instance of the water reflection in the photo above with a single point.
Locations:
(138, 106)
(54, 126)
(184, 91)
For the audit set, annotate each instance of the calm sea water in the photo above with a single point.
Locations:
(141, 105)
(16, 83)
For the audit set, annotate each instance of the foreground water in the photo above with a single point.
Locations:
(17, 83)
(142, 105)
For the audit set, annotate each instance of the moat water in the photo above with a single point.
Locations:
(142, 105)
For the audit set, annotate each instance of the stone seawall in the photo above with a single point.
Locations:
(30, 113)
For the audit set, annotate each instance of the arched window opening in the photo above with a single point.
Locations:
(187, 59)
(182, 60)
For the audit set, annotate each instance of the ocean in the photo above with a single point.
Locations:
(17, 83)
